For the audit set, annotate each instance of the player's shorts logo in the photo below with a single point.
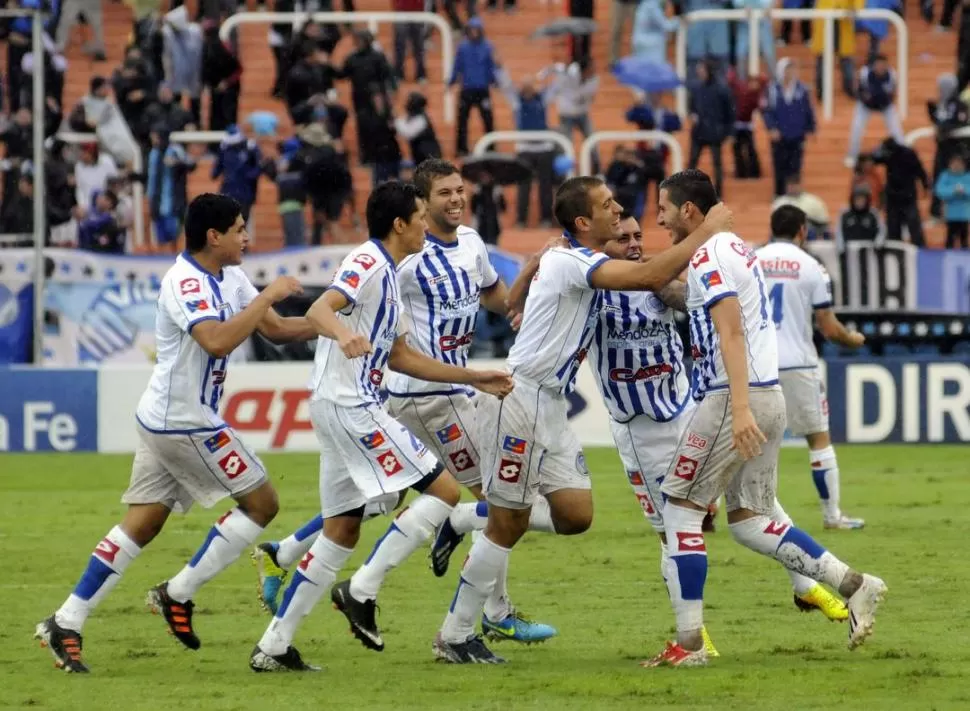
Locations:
(449, 434)
(636, 478)
(696, 441)
(107, 550)
(217, 441)
(190, 286)
(646, 504)
(373, 440)
(461, 460)
(687, 541)
(389, 463)
(776, 528)
(232, 464)
(509, 470)
(685, 468)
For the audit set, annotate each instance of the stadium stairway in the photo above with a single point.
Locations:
(930, 54)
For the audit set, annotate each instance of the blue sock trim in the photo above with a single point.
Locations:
(390, 529)
(93, 578)
(310, 528)
(461, 583)
(692, 574)
(213, 534)
(818, 476)
(298, 579)
(481, 509)
(798, 537)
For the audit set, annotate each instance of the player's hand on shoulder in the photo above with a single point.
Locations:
(515, 320)
(557, 241)
(495, 382)
(354, 345)
(283, 287)
(747, 436)
(856, 339)
(720, 218)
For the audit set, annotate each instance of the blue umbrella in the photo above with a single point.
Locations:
(646, 75)
(507, 265)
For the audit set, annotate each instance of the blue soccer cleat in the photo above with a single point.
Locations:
(271, 575)
(446, 540)
(517, 628)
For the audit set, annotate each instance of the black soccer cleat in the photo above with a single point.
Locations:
(290, 660)
(446, 540)
(64, 644)
(471, 651)
(360, 614)
(178, 615)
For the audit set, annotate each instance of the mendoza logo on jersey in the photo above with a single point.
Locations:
(372, 441)
(514, 445)
(449, 434)
(198, 305)
(712, 279)
(217, 441)
(350, 278)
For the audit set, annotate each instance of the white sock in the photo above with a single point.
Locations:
(687, 569)
(475, 584)
(791, 547)
(312, 578)
(105, 566)
(230, 536)
(825, 474)
(800, 583)
(470, 517)
(541, 517)
(664, 561)
(290, 550)
(497, 606)
(412, 527)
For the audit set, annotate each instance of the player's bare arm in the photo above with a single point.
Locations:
(674, 295)
(405, 359)
(726, 315)
(834, 330)
(286, 329)
(323, 317)
(220, 338)
(654, 275)
(496, 298)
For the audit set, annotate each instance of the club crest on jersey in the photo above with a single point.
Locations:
(711, 279)
(373, 440)
(350, 278)
(217, 441)
(514, 445)
(190, 286)
(197, 305)
(636, 478)
(449, 433)
(655, 304)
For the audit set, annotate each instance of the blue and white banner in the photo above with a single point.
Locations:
(49, 410)
(944, 281)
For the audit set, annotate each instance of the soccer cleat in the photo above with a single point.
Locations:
(708, 644)
(446, 540)
(862, 609)
(517, 628)
(64, 644)
(178, 615)
(818, 598)
(290, 660)
(360, 615)
(844, 523)
(471, 651)
(676, 656)
(271, 575)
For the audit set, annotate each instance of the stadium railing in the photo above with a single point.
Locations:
(372, 19)
(485, 142)
(753, 17)
(918, 134)
(594, 139)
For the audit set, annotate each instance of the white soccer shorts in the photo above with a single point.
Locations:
(805, 401)
(179, 469)
(528, 448)
(705, 466)
(364, 453)
(446, 424)
(646, 448)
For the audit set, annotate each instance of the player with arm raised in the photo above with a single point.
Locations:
(186, 452)
(366, 453)
(798, 287)
(527, 446)
(730, 445)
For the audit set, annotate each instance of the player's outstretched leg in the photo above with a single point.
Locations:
(825, 474)
(61, 632)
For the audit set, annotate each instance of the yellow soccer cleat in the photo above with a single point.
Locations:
(818, 598)
(708, 644)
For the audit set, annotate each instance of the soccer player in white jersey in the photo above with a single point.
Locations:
(730, 446)
(441, 289)
(798, 287)
(186, 452)
(366, 453)
(527, 446)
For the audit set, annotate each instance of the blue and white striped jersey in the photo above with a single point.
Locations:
(367, 278)
(638, 357)
(725, 266)
(560, 316)
(441, 288)
(186, 386)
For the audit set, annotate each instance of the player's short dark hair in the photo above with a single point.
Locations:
(430, 170)
(209, 211)
(692, 186)
(787, 221)
(626, 215)
(388, 202)
(572, 200)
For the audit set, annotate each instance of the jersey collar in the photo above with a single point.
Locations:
(380, 246)
(573, 242)
(191, 260)
(435, 240)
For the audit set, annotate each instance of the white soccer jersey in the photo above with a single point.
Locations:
(559, 318)
(797, 285)
(440, 290)
(186, 385)
(726, 266)
(366, 277)
(638, 357)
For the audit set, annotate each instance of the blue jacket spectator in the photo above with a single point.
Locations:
(650, 29)
(708, 39)
(953, 189)
(789, 117)
(476, 71)
(167, 190)
(240, 163)
(99, 230)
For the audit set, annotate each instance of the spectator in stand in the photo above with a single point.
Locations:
(948, 114)
(372, 82)
(963, 48)
(239, 163)
(416, 128)
(326, 180)
(946, 16)
(876, 94)
(280, 39)
(903, 172)
(409, 33)
(816, 211)
(451, 12)
(120, 187)
(182, 59)
(18, 34)
(650, 29)
(166, 110)
(487, 204)
(622, 13)
(712, 118)
(221, 74)
(61, 197)
(748, 94)
(91, 173)
(310, 82)
(627, 179)
(134, 89)
(167, 187)
(291, 192)
(787, 25)
(507, 5)
(18, 139)
(99, 231)
(844, 38)
(868, 175)
(652, 154)
(766, 35)
(54, 67)
(953, 189)
(96, 113)
(383, 152)
(789, 117)
(475, 71)
(70, 13)
(860, 222)
(581, 47)
(877, 30)
(17, 215)
(706, 40)
(574, 89)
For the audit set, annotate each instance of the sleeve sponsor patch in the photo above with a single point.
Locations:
(712, 279)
